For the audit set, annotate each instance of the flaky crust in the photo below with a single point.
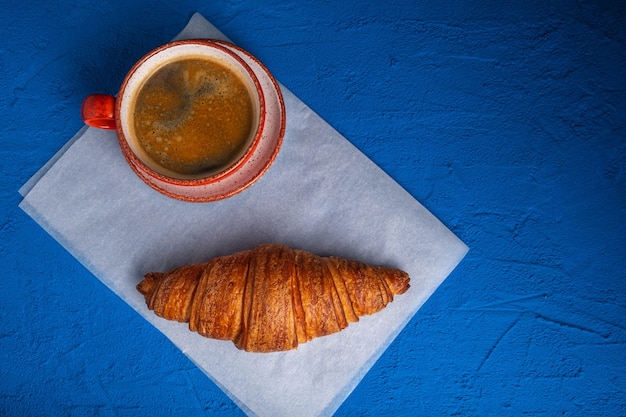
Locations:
(271, 298)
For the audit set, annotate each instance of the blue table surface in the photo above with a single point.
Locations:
(505, 119)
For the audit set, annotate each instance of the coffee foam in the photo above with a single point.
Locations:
(198, 84)
(196, 87)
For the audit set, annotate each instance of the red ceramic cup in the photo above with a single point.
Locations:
(243, 169)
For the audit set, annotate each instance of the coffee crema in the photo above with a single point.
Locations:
(193, 116)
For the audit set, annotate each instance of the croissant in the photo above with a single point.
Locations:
(271, 298)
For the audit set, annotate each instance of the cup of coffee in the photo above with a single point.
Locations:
(189, 117)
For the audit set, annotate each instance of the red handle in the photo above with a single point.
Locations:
(98, 110)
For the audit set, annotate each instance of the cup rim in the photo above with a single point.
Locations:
(137, 164)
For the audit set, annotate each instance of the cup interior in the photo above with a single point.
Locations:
(146, 68)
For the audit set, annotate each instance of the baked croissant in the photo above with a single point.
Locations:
(271, 298)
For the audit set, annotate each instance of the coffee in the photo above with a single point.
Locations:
(193, 116)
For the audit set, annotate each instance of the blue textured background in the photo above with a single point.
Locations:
(505, 119)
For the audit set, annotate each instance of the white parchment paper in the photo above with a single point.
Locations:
(321, 195)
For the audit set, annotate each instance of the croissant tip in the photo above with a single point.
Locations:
(149, 283)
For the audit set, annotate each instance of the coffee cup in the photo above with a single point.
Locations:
(191, 116)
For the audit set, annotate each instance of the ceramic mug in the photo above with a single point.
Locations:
(192, 119)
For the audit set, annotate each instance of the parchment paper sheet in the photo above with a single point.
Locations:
(321, 195)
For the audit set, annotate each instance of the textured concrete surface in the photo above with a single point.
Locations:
(505, 119)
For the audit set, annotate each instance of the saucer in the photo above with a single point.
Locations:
(262, 157)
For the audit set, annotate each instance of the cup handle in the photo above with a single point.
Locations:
(98, 110)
